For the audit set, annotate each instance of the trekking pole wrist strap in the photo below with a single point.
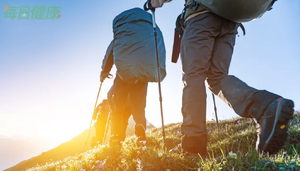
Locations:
(148, 6)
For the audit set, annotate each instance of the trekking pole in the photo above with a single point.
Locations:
(215, 107)
(94, 111)
(158, 70)
(106, 129)
(158, 73)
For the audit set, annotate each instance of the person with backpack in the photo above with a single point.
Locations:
(102, 118)
(207, 43)
(100, 115)
(133, 53)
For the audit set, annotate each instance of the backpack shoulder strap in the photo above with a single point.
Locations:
(243, 28)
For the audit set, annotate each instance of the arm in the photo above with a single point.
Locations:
(108, 60)
(158, 3)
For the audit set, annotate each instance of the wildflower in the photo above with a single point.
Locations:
(248, 123)
(100, 166)
(81, 169)
(160, 154)
(123, 160)
(144, 148)
(97, 161)
(284, 154)
(139, 165)
(178, 132)
(63, 166)
(238, 122)
(232, 155)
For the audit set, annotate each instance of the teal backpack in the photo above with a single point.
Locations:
(134, 47)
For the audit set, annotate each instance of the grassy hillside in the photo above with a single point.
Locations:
(13, 151)
(70, 148)
(73, 147)
(231, 149)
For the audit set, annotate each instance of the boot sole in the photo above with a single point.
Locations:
(278, 136)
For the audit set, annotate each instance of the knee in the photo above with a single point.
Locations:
(139, 111)
(193, 78)
(214, 82)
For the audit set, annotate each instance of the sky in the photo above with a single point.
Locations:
(49, 69)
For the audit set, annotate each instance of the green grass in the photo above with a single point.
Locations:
(231, 149)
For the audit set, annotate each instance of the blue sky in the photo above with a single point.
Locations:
(49, 69)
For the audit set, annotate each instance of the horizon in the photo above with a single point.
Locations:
(49, 69)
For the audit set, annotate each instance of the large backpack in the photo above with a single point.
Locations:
(134, 47)
(238, 10)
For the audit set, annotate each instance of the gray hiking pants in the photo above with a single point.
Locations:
(206, 50)
(138, 94)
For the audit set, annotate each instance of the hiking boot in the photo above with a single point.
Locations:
(140, 132)
(195, 144)
(272, 126)
(179, 150)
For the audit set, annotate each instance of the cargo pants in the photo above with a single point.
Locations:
(206, 51)
(138, 94)
(127, 111)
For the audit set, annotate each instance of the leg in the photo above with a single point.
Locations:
(196, 51)
(230, 89)
(271, 112)
(138, 94)
(121, 90)
(126, 115)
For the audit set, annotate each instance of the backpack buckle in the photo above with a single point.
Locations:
(194, 5)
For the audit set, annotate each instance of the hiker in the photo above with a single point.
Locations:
(206, 50)
(102, 118)
(100, 115)
(133, 52)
